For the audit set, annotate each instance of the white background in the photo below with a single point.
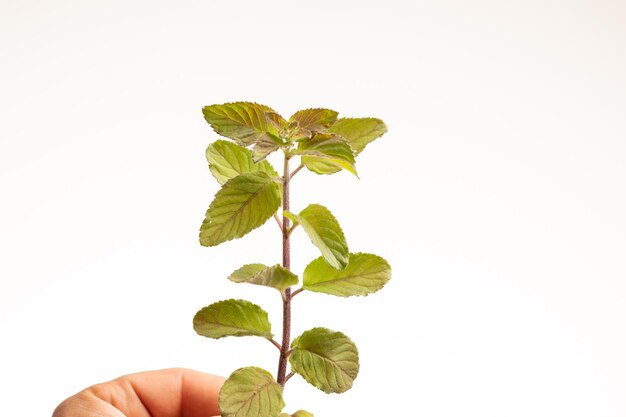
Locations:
(498, 196)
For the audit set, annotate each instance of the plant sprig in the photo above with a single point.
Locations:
(251, 192)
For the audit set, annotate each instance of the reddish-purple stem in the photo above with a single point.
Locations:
(284, 351)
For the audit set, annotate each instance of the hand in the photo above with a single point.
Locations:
(165, 393)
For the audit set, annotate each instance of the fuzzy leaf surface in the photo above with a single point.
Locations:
(270, 276)
(232, 318)
(314, 120)
(325, 233)
(364, 274)
(359, 132)
(262, 149)
(326, 154)
(276, 120)
(247, 272)
(227, 160)
(251, 392)
(326, 359)
(244, 203)
(244, 122)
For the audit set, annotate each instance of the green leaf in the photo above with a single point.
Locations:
(244, 122)
(251, 392)
(263, 148)
(313, 120)
(326, 359)
(227, 160)
(326, 154)
(247, 272)
(270, 276)
(243, 204)
(365, 274)
(299, 413)
(359, 132)
(325, 233)
(232, 318)
(275, 119)
(321, 165)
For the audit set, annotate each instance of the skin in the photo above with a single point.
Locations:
(165, 393)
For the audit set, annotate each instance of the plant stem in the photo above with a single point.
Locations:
(284, 351)
(278, 222)
(291, 229)
(275, 343)
(295, 171)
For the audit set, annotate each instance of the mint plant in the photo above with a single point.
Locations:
(252, 192)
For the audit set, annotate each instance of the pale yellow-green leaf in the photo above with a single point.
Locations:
(326, 154)
(325, 233)
(262, 148)
(326, 359)
(247, 272)
(299, 413)
(365, 274)
(244, 203)
(275, 119)
(359, 132)
(232, 318)
(251, 392)
(270, 276)
(242, 121)
(227, 160)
